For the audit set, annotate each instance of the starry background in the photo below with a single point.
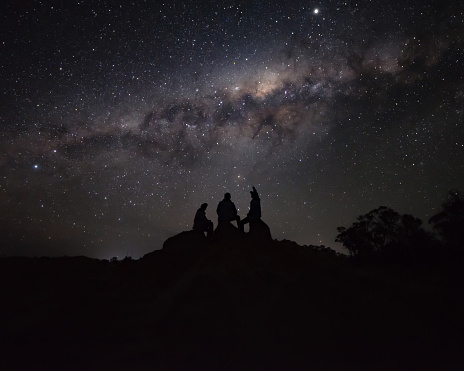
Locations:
(118, 119)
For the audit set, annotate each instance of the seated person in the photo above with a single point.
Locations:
(202, 223)
(226, 211)
(255, 209)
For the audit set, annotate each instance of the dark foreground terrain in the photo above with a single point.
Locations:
(228, 305)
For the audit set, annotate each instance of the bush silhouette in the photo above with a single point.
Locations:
(382, 230)
(449, 223)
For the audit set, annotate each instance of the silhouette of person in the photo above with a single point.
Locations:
(201, 223)
(255, 210)
(226, 210)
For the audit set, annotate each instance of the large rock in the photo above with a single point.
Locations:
(227, 233)
(260, 233)
(185, 241)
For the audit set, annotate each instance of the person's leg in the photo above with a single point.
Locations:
(242, 224)
(237, 218)
(209, 230)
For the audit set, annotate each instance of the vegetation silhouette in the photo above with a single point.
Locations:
(449, 223)
(380, 230)
(384, 234)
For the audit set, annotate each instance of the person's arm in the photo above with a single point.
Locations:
(203, 217)
(195, 220)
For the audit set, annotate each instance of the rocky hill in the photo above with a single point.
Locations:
(235, 302)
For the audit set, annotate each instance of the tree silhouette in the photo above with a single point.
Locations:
(356, 239)
(411, 230)
(449, 222)
(378, 230)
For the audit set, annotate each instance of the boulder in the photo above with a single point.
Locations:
(227, 232)
(185, 241)
(260, 233)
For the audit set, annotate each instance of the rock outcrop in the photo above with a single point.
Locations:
(185, 241)
(230, 303)
(224, 234)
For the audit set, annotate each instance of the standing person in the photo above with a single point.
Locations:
(255, 209)
(226, 210)
(202, 223)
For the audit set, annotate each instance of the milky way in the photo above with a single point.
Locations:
(118, 120)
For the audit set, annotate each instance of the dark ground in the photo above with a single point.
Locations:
(229, 305)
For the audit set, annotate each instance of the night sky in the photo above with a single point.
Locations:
(119, 119)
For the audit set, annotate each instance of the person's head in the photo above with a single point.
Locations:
(227, 196)
(254, 194)
(204, 206)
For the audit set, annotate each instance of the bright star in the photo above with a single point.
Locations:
(316, 11)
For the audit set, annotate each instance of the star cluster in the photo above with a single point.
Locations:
(118, 119)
